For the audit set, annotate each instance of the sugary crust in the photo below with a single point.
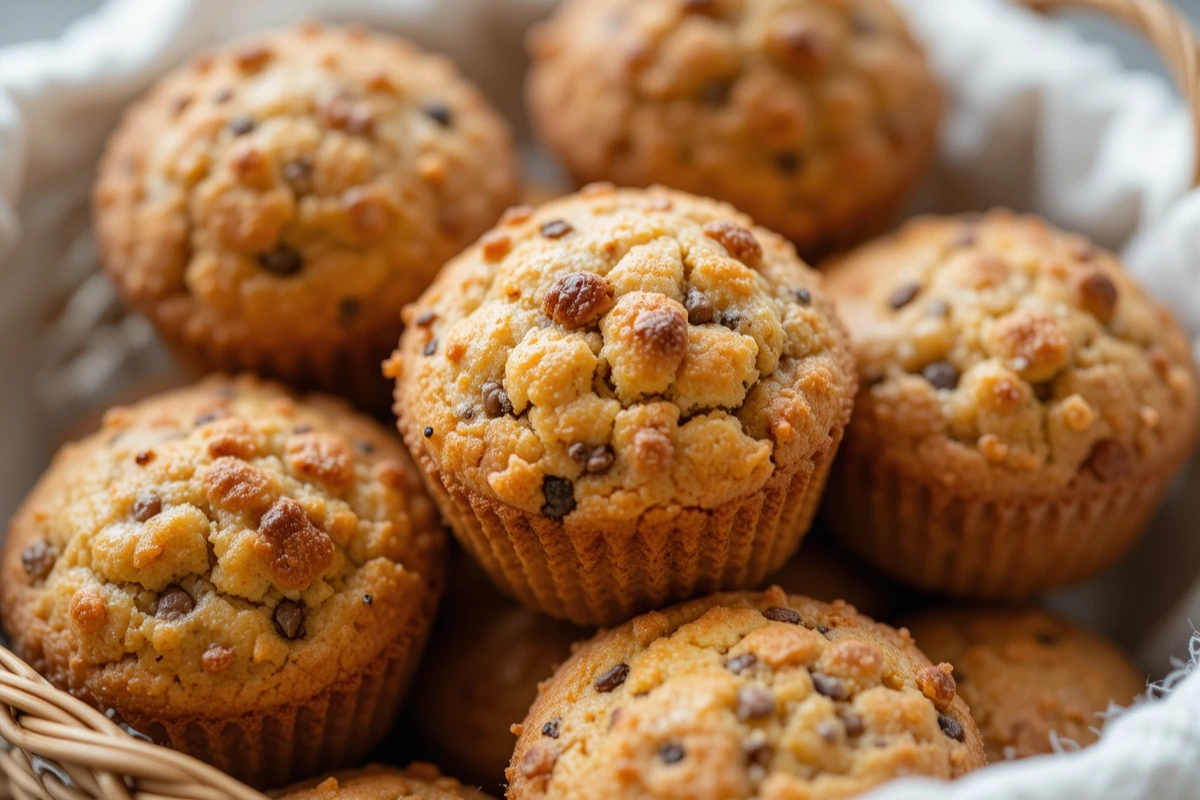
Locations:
(739, 696)
(1027, 674)
(816, 117)
(273, 204)
(1002, 359)
(220, 551)
(415, 782)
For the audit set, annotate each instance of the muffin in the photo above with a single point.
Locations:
(244, 576)
(816, 117)
(1025, 406)
(624, 398)
(740, 696)
(416, 782)
(1028, 675)
(273, 204)
(481, 673)
(825, 573)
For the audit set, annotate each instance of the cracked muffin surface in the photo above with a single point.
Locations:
(1029, 675)
(624, 358)
(414, 782)
(765, 696)
(274, 203)
(223, 552)
(817, 117)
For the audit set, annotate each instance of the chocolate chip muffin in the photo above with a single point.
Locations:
(240, 574)
(486, 657)
(416, 782)
(1025, 407)
(1029, 675)
(816, 117)
(741, 696)
(824, 572)
(624, 398)
(273, 204)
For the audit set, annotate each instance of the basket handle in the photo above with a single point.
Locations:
(1167, 29)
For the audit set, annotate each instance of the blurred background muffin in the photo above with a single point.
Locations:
(240, 574)
(824, 572)
(273, 204)
(414, 782)
(625, 397)
(815, 117)
(1028, 675)
(1025, 406)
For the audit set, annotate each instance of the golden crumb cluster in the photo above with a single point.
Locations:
(745, 695)
(815, 116)
(274, 203)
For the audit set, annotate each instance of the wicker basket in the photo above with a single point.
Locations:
(54, 747)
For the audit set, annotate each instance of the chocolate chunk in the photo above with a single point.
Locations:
(348, 309)
(787, 163)
(368, 599)
(951, 727)
(364, 447)
(439, 112)
(174, 603)
(670, 753)
(38, 559)
(853, 722)
(942, 374)
(738, 664)
(757, 750)
(578, 299)
(778, 614)
(560, 497)
(754, 702)
(289, 619)
(803, 296)
(613, 678)
(580, 452)
(556, 228)
(425, 319)
(298, 174)
(822, 629)
(241, 125)
(827, 685)
(495, 400)
(283, 261)
(551, 728)
(430, 348)
(737, 241)
(600, 460)
(1110, 460)
(144, 457)
(731, 320)
(428, 432)
(699, 307)
(538, 761)
(716, 92)
(903, 295)
(147, 505)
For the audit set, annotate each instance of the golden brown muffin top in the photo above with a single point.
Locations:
(620, 350)
(739, 696)
(218, 549)
(1027, 674)
(999, 352)
(295, 189)
(812, 115)
(415, 782)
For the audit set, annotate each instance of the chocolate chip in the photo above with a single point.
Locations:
(560, 497)
(822, 629)
(283, 261)
(787, 163)
(551, 728)
(803, 296)
(580, 452)
(601, 459)
(430, 348)
(903, 295)
(439, 112)
(578, 299)
(174, 603)
(829, 686)
(757, 750)
(147, 505)
(779, 614)
(942, 374)
(699, 307)
(1044, 391)
(364, 447)
(1109, 460)
(144, 457)
(289, 619)
(495, 400)
(716, 92)
(754, 702)
(937, 308)
(428, 431)
(425, 319)
(731, 320)
(348, 309)
(298, 174)
(737, 241)
(241, 125)
(738, 664)
(951, 727)
(853, 722)
(670, 753)
(38, 559)
(556, 228)
(368, 599)
(538, 761)
(612, 678)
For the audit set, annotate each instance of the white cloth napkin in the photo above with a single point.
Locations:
(1038, 120)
